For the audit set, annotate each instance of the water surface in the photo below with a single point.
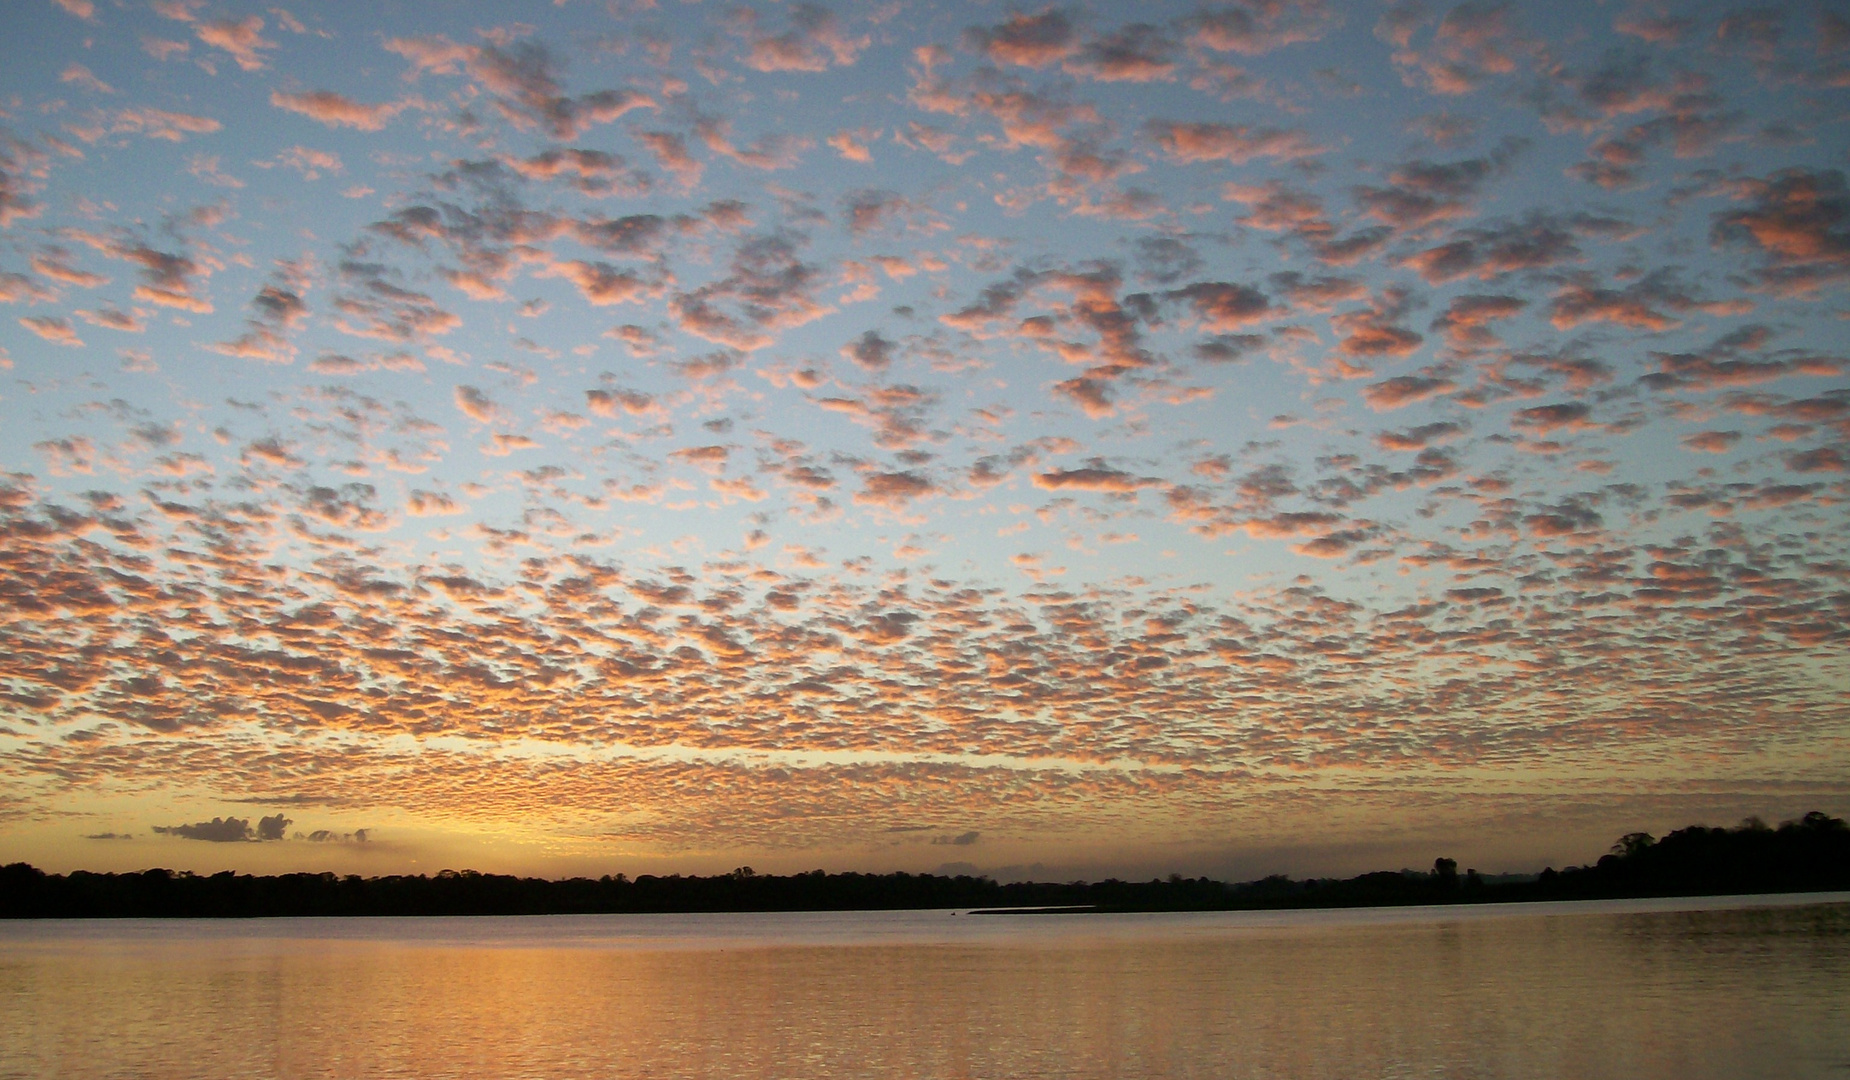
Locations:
(1684, 989)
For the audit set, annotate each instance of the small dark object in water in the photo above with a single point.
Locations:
(1072, 909)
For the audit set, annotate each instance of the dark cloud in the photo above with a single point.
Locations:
(1255, 27)
(868, 210)
(870, 351)
(229, 830)
(815, 39)
(770, 289)
(1028, 40)
(1420, 192)
(1799, 220)
(1135, 53)
(1486, 253)
(371, 306)
(524, 77)
(329, 836)
(1222, 306)
(1164, 260)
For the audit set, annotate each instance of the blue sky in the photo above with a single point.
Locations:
(1245, 437)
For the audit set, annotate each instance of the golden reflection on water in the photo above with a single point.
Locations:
(1685, 994)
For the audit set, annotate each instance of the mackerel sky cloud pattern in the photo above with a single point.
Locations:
(1273, 434)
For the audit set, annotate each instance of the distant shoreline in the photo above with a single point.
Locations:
(1799, 857)
(1811, 854)
(1677, 902)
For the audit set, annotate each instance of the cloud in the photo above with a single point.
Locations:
(1466, 320)
(1223, 306)
(371, 306)
(169, 279)
(601, 283)
(1418, 438)
(1820, 459)
(241, 38)
(893, 490)
(1074, 423)
(337, 110)
(867, 210)
(870, 351)
(1712, 442)
(770, 152)
(611, 402)
(277, 309)
(1638, 306)
(1319, 293)
(769, 289)
(670, 152)
(1490, 252)
(163, 49)
(476, 405)
(228, 830)
(145, 120)
(1256, 27)
(710, 458)
(815, 39)
(433, 54)
(1188, 143)
(329, 836)
(309, 162)
(17, 287)
(851, 146)
(73, 454)
(1420, 192)
(1799, 219)
(590, 172)
(1403, 390)
(55, 330)
(430, 504)
(1474, 42)
(1032, 41)
(84, 77)
(524, 79)
(1096, 476)
(1135, 53)
(1333, 545)
(178, 10)
(1660, 29)
(1546, 419)
(112, 319)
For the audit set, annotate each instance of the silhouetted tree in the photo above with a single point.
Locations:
(1633, 843)
(1810, 853)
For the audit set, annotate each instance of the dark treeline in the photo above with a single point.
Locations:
(1810, 854)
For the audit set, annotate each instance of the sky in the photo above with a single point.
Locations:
(1059, 441)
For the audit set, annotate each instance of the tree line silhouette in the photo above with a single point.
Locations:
(1808, 854)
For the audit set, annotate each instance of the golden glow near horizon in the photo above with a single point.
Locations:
(1252, 436)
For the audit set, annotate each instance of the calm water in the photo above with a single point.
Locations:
(1755, 987)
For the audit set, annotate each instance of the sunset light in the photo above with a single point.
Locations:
(1035, 441)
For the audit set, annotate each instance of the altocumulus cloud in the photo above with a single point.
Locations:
(1059, 421)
